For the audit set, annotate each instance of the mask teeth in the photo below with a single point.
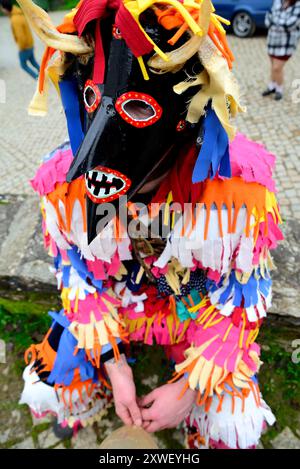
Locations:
(94, 179)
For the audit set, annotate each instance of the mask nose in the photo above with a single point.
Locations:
(87, 156)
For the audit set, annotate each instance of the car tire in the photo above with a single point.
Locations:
(243, 24)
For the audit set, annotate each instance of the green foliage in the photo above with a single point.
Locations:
(45, 4)
(21, 307)
(279, 378)
(22, 323)
(61, 4)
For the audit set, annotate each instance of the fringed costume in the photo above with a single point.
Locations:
(148, 92)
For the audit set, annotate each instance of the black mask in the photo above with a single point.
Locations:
(134, 126)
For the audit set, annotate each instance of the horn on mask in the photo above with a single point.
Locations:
(46, 31)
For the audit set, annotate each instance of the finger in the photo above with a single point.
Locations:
(147, 414)
(148, 399)
(135, 414)
(154, 427)
(139, 401)
(124, 415)
(146, 424)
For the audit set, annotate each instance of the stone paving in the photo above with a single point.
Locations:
(275, 124)
(24, 139)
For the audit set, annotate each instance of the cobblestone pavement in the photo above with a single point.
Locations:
(275, 124)
(24, 139)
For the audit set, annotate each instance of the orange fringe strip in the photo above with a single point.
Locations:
(170, 19)
(68, 193)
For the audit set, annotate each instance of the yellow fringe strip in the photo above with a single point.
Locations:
(210, 379)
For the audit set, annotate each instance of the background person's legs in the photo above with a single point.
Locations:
(272, 84)
(277, 76)
(24, 56)
(32, 60)
(276, 83)
(277, 71)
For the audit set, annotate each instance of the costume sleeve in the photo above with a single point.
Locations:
(223, 358)
(88, 301)
(85, 275)
(87, 331)
(240, 219)
(90, 306)
(222, 337)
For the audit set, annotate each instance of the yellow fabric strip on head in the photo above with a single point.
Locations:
(143, 68)
(38, 106)
(217, 84)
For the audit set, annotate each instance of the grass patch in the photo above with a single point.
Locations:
(24, 320)
(66, 5)
(279, 378)
(21, 308)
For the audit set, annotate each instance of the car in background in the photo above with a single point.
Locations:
(245, 15)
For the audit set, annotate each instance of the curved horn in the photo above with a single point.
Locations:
(41, 23)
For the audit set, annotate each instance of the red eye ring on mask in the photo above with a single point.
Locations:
(91, 96)
(116, 32)
(138, 109)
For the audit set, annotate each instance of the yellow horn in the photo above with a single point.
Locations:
(41, 23)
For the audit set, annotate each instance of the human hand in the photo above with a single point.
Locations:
(166, 409)
(123, 387)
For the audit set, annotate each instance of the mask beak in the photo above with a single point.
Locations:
(87, 156)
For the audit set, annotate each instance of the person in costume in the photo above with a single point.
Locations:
(22, 36)
(149, 97)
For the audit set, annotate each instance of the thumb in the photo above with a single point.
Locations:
(148, 399)
(135, 414)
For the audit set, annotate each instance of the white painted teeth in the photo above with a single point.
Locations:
(109, 177)
(103, 185)
(98, 175)
(103, 194)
